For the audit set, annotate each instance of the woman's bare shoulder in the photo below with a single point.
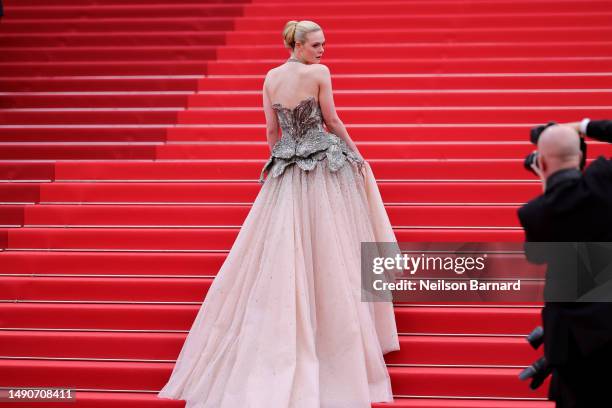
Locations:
(271, 73)
(320, 69)
(319, 73)
(271, 77)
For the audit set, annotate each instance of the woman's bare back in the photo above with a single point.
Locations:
(291, 83)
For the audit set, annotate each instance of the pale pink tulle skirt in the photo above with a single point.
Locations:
(283, 325)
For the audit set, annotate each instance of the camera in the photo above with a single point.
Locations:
(539, 370)
(534, 136)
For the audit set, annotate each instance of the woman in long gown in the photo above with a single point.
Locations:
(283, 324)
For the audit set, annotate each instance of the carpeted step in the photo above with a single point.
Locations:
(431, 81)
(150, 317)
(111, 68)
(124, 289)
(463, 403)
(392, 192)
(338, 66)
(334, 51)
(90, 116)
(172, 264)
(388, 115)
(100, 132)
(392, 50)
(372, 150)
(381, 19)
(351, 115)
(154, 37)
(148, 400)
(262, 2)
(461, 98)
(66, 39)
(98, 11)
(22, 151)
(223, 215)
(417, 349)
(437, 34)
(101, 289)
(261, 151)
(88, 83)
(131, 170)
(81, 100)
(208, 239)
(415, 381)
(109, 263)
(11, 215)
(13, 193)
(396, 66)
(110, 2)
(102, 11)
(417, 132)
(364, 98)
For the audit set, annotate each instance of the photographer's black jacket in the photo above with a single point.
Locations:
(575, 208)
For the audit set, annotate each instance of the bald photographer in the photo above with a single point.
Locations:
(575, 207)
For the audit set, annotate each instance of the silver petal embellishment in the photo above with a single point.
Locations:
(284, 148)
(335, 158)
(305, 142)
(279, 166)
(312, 143)
(307, 164)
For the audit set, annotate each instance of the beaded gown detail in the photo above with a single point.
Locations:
(283, 324)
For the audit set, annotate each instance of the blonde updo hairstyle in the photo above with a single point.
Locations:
(295, 31)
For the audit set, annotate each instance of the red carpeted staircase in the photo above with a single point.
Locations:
(131, 138)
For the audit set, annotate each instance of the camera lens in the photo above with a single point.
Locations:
(529, 160)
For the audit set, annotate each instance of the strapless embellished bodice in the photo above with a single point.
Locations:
(304, 141)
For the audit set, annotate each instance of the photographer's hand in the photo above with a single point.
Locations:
(537, 170)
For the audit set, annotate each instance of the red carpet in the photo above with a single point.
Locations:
(132, 137)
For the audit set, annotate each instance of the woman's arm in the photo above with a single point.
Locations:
(328, 109)
(271, 119)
